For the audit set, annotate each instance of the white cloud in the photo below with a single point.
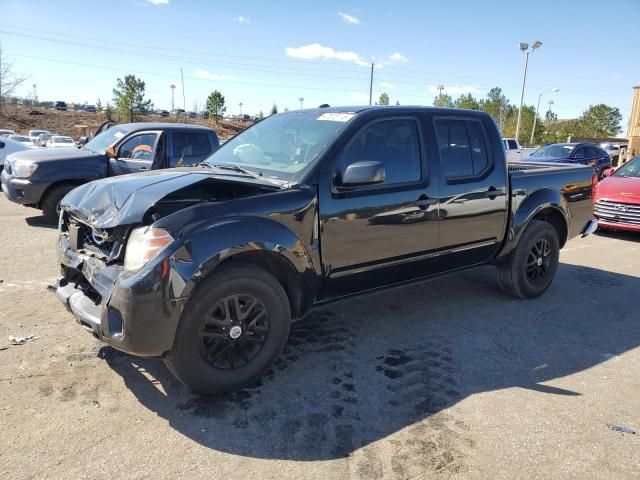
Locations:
(397, 58)
(206, 75)
(388, 85)
(315, 50)
(455, 90)
(346, 18)
(360, 97)
(241, 19)
(158, 2)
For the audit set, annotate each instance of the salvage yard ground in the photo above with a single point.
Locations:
(449, 378)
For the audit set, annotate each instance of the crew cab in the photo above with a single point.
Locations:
(205, 266)
(41, 178)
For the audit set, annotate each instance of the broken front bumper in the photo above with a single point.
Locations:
(135, 313)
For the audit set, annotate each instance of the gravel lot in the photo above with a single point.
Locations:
(449, 378)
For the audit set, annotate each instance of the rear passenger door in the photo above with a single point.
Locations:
(189, 148)
(473, 193)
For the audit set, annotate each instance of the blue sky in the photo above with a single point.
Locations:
(259, 52)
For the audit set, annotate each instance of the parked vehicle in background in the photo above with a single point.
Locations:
(613, 150)
(41, 178)
(514, 151)
(6, 133)
(34, 134)
(617, 198)
(22, 139)
(177, 111)
(41, 141)
(8, 146)
(581, 153)
(90, 108)
(191, 115)
(57, 141)
(62, 106)
(206, 266)
(163, 113)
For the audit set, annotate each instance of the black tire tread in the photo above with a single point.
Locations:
(50, 202)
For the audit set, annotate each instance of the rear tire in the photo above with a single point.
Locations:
(530, 268)
(51, 203)
(231, 332)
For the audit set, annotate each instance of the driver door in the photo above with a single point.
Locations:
(137, 153)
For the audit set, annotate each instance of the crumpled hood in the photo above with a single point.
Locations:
(124, 200)
(620, 189)
(52, 154)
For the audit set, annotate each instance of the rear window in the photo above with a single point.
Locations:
(462, 146)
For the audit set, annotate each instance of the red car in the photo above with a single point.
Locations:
(617, 198)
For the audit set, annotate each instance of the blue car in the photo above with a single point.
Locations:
(582, 153)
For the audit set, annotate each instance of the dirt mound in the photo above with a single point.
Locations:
(22, 119)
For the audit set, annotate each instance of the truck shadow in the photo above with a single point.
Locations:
(39, 221)
(359, 371)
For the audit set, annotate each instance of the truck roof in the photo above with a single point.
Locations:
(161, 126)
(362, 108)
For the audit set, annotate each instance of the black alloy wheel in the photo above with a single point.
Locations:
(539, 261)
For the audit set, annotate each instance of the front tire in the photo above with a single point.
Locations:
(233, 329)
(51, 203)
(529, 270)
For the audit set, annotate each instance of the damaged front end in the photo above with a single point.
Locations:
(122, 277)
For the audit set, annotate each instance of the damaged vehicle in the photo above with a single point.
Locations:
(205, 266)
(40, 178)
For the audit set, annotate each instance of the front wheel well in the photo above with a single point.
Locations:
(281, 269)
(74, 183)
(557, 221)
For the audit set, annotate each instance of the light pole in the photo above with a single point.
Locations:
(173, 88)
(535, 119)
(301, 100)
(524, 48)
(240, 105)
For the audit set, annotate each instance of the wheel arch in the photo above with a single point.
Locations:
(74, 182)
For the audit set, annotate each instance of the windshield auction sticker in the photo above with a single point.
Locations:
(336, 117)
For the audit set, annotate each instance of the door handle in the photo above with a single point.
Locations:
(424, 201)
(494, 192)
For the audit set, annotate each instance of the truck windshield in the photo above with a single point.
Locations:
(555, 151)
(282, 146)
(101, 142)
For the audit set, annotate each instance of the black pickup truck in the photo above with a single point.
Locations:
(42, 177)
(205, 266)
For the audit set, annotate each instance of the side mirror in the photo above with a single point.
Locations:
(608, 172)
(83, 140)
(362, 173)
(111, 151)
(1, 144)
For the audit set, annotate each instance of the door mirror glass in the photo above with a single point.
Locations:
(362, 173)
(83, 140)
(111, 151)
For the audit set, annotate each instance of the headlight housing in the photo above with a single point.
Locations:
(144, 244)
(23, 168)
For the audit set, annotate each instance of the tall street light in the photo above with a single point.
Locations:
(301, 100)
(173, 88)
(535, 119)
(524, 48)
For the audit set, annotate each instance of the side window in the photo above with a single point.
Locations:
(138, 147)
(512, 145)
(463, 151)
(189, 147)
(394, 143)
(580, 153)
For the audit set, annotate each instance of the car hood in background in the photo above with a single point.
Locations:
(53, 154)
(550, 159)
(620, 189)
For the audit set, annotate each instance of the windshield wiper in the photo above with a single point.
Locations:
(239, 169)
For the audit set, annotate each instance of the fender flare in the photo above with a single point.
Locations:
(532, 206)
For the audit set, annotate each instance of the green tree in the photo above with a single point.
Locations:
(600, 121)
(397, 102)
(443, 100)
(260, 115)
(384, 99)
(128, 97)
(497, 105)
(98, 106)
(274, 109)
(467, 101)
(215, 105)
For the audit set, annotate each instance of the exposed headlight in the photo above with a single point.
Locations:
(23, 168)
(144, 244)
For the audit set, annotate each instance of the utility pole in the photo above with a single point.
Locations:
(301, 100)
(35, 94)
(371, 84)
(440, 89)
(240, 105)
(172, 87)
